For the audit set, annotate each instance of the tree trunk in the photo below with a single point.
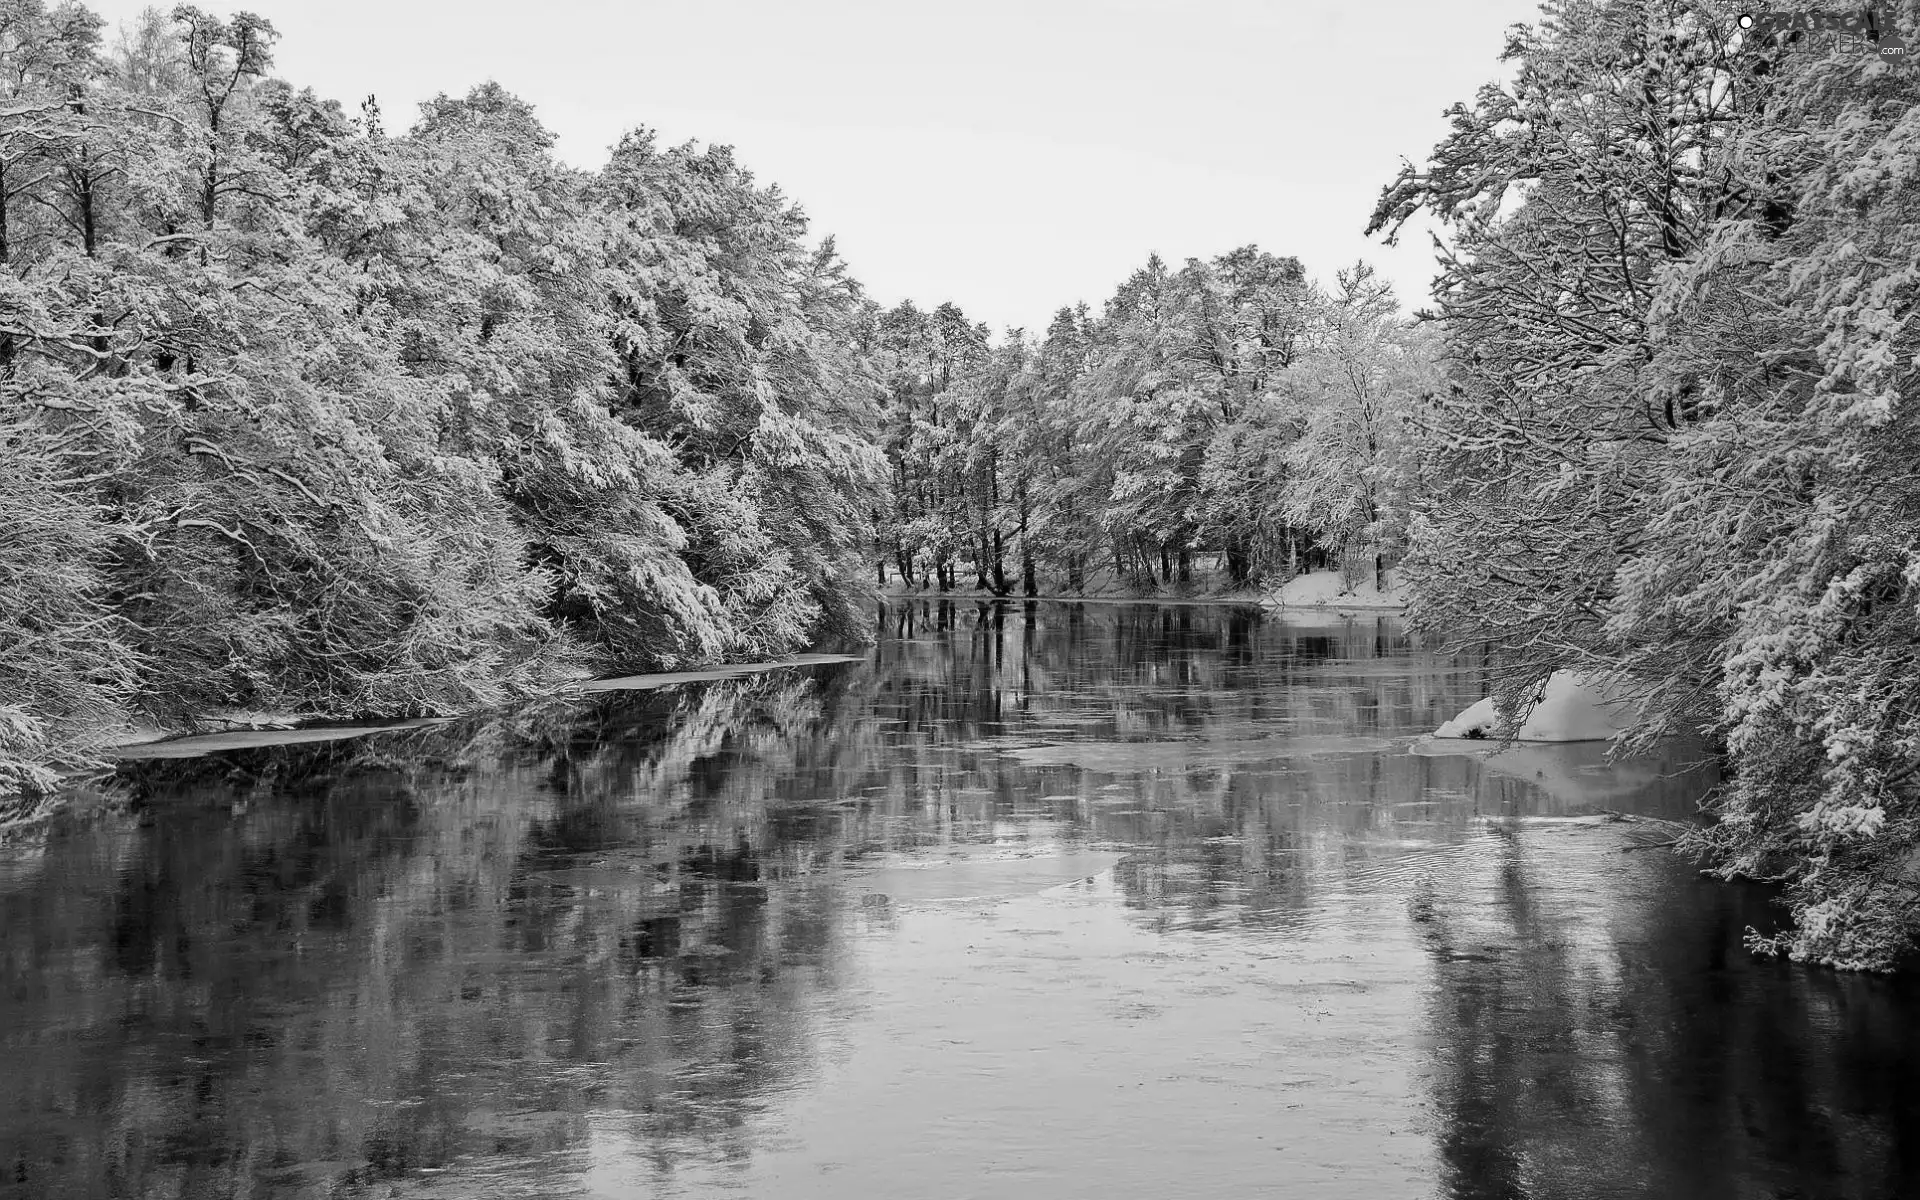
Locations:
(89, 222)
(1028, 579)
(1186, 564)
(6, 259)
(1000, 585)
(1239, 567)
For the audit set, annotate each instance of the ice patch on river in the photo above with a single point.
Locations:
(1117, 758)
(1580, 775)
(196, 745)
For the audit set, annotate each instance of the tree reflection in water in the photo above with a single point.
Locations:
(1599, 1031)
(362, 960)
(614, 934)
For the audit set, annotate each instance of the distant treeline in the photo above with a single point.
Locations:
(1229, 408)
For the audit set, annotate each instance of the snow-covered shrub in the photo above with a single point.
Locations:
(64, 666)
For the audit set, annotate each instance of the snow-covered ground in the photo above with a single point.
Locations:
(1328, 589)
(130, 732)
(1571, 710)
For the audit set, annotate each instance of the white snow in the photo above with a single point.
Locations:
(127, 733)
(195, 745)
(1328, 589)
(134, 733)
(1571, 710)
(248, 729)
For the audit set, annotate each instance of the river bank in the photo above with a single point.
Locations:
(1237, 597)
(1316, 590)
(249, 730)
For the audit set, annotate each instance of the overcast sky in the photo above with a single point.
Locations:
(1010, 155)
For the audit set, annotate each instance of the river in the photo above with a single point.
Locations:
(1035, 900)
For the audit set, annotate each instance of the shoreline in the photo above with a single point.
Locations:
(245, 729)
(1254, 601)
(1059, 599)
(150, 742)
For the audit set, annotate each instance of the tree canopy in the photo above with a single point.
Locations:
(1675, 448)
(305, 416)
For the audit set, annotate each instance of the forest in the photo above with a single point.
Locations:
(305, 414)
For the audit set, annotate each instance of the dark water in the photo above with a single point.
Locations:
(1051, 901)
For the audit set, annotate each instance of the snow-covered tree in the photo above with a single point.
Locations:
(1673, 449)
(316, 418)
(1355, 392)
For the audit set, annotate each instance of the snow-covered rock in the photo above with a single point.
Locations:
(1571, 710)
(1328, 589)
